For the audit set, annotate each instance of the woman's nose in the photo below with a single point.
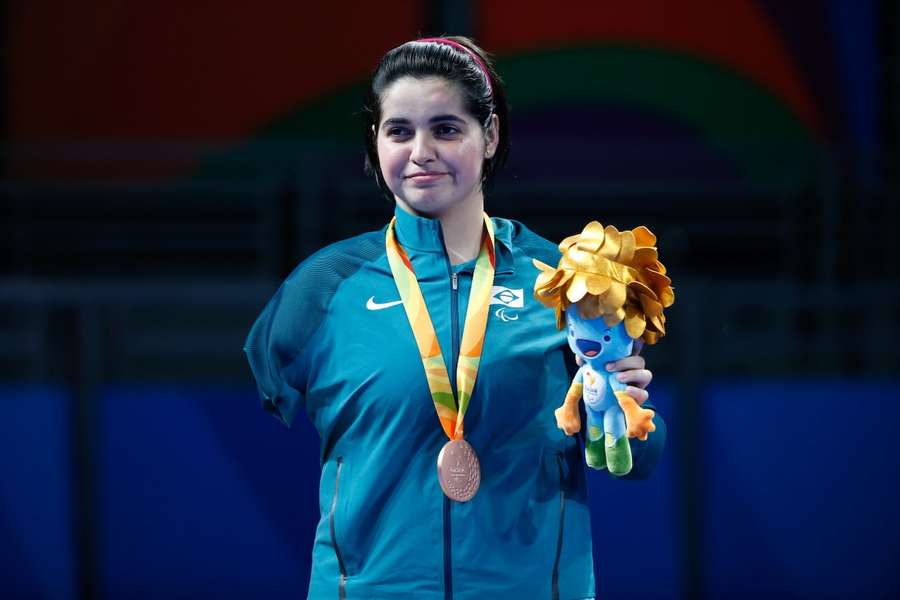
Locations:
(422, 150)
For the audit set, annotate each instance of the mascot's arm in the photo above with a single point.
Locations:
(567, 417)
(639, 420)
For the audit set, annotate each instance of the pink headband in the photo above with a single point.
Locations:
(458, 46)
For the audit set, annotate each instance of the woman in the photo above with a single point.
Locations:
(345, 340)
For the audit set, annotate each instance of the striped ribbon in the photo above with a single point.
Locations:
(450, 414)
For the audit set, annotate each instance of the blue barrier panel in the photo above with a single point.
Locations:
(800, 490)
(633, 523)
(204, 495)
(36, 547)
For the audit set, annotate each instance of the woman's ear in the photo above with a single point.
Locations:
(492, 136)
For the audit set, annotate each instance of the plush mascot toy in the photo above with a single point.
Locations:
(608, 290)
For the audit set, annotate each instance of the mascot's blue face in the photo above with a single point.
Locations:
(593, 340)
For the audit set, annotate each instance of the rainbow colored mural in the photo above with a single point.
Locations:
(761, 86)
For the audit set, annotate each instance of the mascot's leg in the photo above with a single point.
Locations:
(594, 453)
(618, 452)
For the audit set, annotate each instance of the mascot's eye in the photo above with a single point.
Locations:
(606, 338)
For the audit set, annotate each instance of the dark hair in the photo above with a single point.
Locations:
(434, 59)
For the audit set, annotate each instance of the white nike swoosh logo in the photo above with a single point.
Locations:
(372, 305)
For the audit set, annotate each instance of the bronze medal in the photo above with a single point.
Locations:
(458, 470)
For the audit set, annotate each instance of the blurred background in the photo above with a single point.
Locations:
(166, 164)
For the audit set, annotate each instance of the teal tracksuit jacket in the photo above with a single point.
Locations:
(334, 343)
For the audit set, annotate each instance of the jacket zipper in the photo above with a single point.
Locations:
(342, 593)
(559, 537)
(448, 530)
(454, 324)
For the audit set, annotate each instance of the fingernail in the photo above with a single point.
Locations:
(610, 366)
(620, 376)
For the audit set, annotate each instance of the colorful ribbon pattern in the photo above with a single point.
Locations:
(450, 414)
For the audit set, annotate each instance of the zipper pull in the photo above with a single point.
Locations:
(454, 281)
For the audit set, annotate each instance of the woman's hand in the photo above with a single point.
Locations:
(632, 370)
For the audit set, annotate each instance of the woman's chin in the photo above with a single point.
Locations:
(424, 205)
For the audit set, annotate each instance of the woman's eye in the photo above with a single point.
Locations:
(397, 132)
(447, 130)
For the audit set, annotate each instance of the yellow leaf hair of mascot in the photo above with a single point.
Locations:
(609, 273)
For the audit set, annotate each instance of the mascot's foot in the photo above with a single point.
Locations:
(618, 457)
(595, 455)
(594, 452)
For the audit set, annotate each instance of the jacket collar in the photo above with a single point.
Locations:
(421, 234)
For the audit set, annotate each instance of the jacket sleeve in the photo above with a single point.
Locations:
(283, 339)
(277, 360)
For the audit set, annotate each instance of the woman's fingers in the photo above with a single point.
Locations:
(631, 370)
(639, 377)
(640, 395)
(626, 364)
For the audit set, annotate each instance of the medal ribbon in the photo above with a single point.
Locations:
(450, 415)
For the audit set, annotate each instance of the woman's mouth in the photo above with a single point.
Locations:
(425, 177)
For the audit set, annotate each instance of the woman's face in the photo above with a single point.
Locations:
(430, 148)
